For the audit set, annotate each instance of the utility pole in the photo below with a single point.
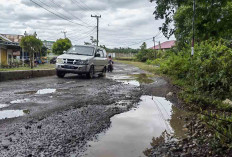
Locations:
(97, 17)
(193, 39)
(154, 46)
(64, 33)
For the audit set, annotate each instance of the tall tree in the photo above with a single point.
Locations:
(31, 45)
(61, 45)
(213, 18)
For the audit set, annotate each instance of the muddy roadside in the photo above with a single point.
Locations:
(198, 139)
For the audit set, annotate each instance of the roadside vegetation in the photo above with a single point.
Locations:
(27, 67)
(204, 78)
(61, 45)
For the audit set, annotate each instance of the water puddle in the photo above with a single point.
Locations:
(131, 132)
(3, 105)
(5, 114)
(43, 91)
(135, 79)
(46, 91)
(19, 101)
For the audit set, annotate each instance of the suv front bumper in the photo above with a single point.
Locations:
(69, 68)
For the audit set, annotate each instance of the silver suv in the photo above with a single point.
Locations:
(80, 59)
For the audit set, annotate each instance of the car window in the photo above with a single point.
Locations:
(101, 53)
(81, 50)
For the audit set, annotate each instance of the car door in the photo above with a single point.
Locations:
(97, 60)
(102, 60)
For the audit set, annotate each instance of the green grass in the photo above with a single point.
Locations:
(125, 58)
(141, 65)
(39, 67)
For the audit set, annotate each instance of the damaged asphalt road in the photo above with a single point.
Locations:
(58, 116)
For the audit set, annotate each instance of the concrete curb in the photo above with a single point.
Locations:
(25, 74)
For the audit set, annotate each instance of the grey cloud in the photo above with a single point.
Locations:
(123, 22)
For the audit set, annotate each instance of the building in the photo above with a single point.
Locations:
(48, 44)
(9, 50)
(165, 45)
(13, 37)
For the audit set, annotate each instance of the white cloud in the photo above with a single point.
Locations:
(123, 22)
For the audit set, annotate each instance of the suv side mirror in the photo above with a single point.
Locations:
(64, 52)
(97, 55)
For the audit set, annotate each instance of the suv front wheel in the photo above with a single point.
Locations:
(90, 74)
(60, 74)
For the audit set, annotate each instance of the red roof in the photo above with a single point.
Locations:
(165, 45)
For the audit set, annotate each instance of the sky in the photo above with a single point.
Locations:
(123, 23)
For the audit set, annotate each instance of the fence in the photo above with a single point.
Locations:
(122, 55)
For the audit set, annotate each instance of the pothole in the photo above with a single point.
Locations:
(3, 105)
(5, 114)
(46, 91)
(131, 132)
(26, 92)
(19, 101)
(135, 79)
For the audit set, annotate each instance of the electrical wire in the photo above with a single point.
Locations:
(58, 5)
(58, 14)
(83, 33)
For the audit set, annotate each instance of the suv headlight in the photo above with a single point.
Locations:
(84, 62)
(59, 60)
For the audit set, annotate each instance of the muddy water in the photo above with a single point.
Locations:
(135, 79)
(3, 105)
(131, 132)
(12, 113)
(46, 91)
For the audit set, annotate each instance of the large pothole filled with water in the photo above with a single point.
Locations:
(131, 132)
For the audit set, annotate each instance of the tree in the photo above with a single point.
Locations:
(144, 54)
(31, 45)
(213, 19)
(93, 41)
(143, 46)
(44, 51)
(61, 45)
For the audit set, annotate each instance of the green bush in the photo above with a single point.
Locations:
(209, 71)
(145, 54)
(206, 78)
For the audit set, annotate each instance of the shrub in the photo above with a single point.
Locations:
(145, 54)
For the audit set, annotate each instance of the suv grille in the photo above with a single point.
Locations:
(72, 61)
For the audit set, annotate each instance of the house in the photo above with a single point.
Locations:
(9, 49)
(165, 45)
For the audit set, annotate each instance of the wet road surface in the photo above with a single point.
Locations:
(60, 117)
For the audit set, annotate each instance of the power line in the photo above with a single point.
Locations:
(88, 7)
(83, 33)
(80, 6)
(58, 5)
(58, 15)
(85, 36)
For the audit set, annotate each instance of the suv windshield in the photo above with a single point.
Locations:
(81, 50)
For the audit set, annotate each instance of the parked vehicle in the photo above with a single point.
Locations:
(53, 60)
(80, 59)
